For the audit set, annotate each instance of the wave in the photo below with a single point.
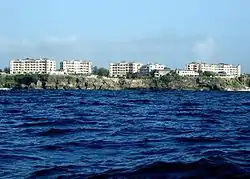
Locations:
(120, 134)
(55, 132)
(16, 157)
(198, 139)
(205, 168)
(212, 167)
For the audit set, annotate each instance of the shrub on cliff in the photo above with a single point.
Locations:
(165, 79)
(208, 74)
(43, 77)
(26, 79)
(100, 71)
(9, 81)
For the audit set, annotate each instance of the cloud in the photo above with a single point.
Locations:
(68, 40)
(205, 50)
(172, 50)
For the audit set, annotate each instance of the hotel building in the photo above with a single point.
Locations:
(146, 70)
(121, 69)
(29, 65)
(220, 68)
(76, 67)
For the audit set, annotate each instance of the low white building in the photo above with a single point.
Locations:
(187, 73)
(121, 69)
(76, 67)
(146, 70)
(160, 73)
(29, 65)
(57, 73)
(229, 69)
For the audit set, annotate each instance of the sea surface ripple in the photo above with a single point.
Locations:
(124, 134)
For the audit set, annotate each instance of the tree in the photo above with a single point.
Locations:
(131, 75)
(209, 73)
(103, 72)
(6, 70)
(200, 72)
(95, 70)
(100, 71)
(43, 77)
(26, 79)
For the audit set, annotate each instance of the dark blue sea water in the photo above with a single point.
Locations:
(124, 134)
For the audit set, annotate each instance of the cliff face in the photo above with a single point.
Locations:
(87, 82)
(73, 82)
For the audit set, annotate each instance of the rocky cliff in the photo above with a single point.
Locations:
(94, 82)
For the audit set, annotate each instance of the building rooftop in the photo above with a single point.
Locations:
(31, 59)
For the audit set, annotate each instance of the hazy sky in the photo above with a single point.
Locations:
(172, 32)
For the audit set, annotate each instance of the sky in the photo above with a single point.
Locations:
(171, 32)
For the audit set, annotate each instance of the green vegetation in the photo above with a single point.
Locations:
(131, 75)
(165, 79)
(15, 81)
(100, 71)
(208, 74)
(5, 70)
(169, 81)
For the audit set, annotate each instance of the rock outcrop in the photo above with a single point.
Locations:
(104, 83)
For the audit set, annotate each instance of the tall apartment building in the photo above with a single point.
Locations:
(220, 68)
(29, 65)
(121, 69)
(146, 70)
(76, 67)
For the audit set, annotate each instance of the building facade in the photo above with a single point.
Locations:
(220, 68)
(187, 73)
(28, 65)
(160, 73)
(147, 69)
(121, 69)
(193, 67)
(76, 67)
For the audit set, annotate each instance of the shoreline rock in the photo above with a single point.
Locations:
(168, 82)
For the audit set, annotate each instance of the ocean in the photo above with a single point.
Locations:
(124, 134)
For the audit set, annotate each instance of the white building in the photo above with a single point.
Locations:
(228, 69)
(76, 67)
(146, 70)
(28, 65)
(160, 73)
(121, 69)
(220, 68)
(187, 73)
(193, 66)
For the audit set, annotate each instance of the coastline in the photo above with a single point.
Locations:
(168, 82)
(227, 90)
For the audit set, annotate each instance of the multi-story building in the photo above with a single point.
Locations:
(28, 65)
(146, 70)
(121, 69)
(193, 67)
(220, 68)
(76, 67)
